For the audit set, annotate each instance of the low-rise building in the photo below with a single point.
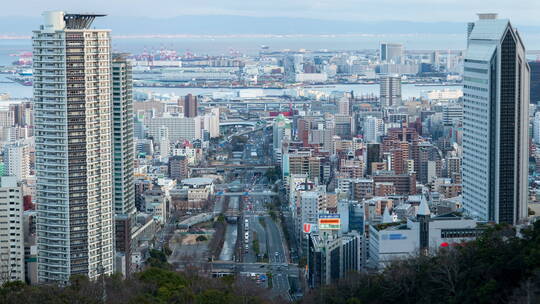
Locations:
(399, 240)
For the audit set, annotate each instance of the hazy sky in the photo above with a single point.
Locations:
(524, 12)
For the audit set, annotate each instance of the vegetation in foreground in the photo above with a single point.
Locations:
(499, 267)
(154, 285)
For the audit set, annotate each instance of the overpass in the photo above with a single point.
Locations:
(229, 123)
(218, 168)
(246, 193)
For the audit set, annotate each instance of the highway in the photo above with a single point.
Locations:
(255, 194)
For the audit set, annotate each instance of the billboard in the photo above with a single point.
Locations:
(307, 228)
(329, 221)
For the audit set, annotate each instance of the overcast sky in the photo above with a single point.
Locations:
(524, 12)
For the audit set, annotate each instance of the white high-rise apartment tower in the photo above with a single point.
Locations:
(11, 230)
(495, 116)
(72, 104)
(17, 160)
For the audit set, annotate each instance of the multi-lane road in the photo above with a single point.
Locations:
(272, 256)
(271, 247)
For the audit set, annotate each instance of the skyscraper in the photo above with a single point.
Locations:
(72, 104)
(123, 160)
(495, 137)
(390, 91)
(391, 52)
(124, 191)
(190, 106)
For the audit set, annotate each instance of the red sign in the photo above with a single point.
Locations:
(307, 228)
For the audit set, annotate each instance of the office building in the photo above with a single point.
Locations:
(72, 104)
(332, 257)
(281, 129)
(311, 203)
(391, 52)
(344, 126)
(373, 129)
(190, 106)
(390, 91)
(535, 81)
(373, 155)
(536, 128)
(11, 230)
(17, 160)
(495, 128)
(452, 114)
(344, 107)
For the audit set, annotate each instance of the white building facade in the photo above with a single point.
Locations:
(11, 230)
(72, 104)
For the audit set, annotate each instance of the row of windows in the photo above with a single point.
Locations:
(475, 88)
(475, 70)
(475, 80)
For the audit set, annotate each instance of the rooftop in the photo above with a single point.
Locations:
(197, 181)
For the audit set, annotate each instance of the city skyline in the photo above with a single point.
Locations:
(137, 172)
(416, 10)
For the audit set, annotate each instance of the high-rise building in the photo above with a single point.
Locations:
(452, 114)
(124, 191)
(373, 129)
(11, 226)
(390, 91)
(391, 52)
(535, 81)
(17, 160)
(22, 113)
(164, 144)
(190, 106)
(123, 160)
(536, 128)
(281, 130)
(495, 132)
(373, 155)
(210, 122)
(344, 107)
(72, 104)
